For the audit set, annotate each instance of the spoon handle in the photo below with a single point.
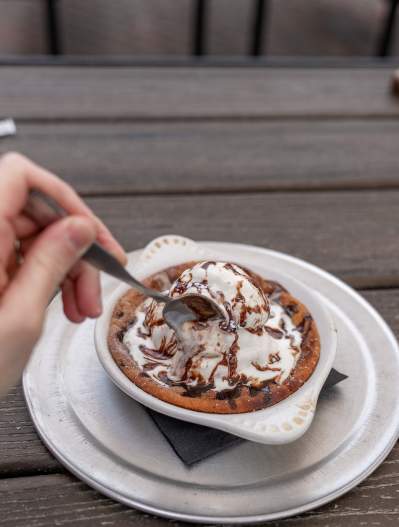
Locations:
(44, 211)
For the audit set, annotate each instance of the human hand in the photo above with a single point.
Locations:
(50, 258)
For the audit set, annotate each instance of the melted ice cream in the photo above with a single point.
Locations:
(256, 342)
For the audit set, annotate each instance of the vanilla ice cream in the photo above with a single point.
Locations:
(242, 303)
(254, 343)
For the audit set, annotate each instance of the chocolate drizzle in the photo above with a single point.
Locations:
(187, 367)
(264, 368)
(290, 309)
(231, 358)
(197, 390)
(275, 333)
(255, 331)
(120, 334)
(234, 269)
(143, 333)
(230, 394)
(152, 353)
(151, 320)
(180, 287)
(163, 378)
(148, 366)
(305, 326)
(264, 389)
(229, 323)
(274, 357)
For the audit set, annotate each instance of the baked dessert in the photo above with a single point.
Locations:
(262, 350)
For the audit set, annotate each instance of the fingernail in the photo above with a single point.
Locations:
(81, 233)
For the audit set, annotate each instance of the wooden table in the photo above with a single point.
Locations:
(299, 160)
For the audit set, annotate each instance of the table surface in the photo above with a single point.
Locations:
(298, 160)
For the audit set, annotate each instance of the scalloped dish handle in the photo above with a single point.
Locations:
(167, 251)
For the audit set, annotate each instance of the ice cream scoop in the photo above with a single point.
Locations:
(255, 342)
(228, 286)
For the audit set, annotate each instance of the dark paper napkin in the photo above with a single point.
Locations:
(193, 443)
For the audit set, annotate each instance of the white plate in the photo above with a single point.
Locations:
(109, 441)
(282, 423)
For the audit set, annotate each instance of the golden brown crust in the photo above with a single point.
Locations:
(243, 399)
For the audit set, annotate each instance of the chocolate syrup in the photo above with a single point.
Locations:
(264, 390)
(275, 333)
(205, 265)
(198, 389)
(274, 357)
(305, 325)
(229, 393)
(153, 353)
(232, 361)
(277, 288)
(142, 334)
(187, 367)
(229, 324)
(263, 368)
(233, 269)
(290, 309)
(255, 331)
(163, 377)
(148, 366)
(239, 296)
(180, 287)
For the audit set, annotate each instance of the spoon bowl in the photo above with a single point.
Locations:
(191, 307)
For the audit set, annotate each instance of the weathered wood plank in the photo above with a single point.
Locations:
(196, 157)
(156, 93)
(61, 499)
(352, 234)
(22, 452)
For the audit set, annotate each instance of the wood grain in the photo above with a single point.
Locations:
(62, 500)
(352, 234)
(21, 450)
(47, 93)
(119, 158)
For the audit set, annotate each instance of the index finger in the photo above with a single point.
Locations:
(18, 175)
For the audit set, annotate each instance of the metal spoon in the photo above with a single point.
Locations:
(44, 211)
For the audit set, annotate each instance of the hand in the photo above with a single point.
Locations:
(50, 258)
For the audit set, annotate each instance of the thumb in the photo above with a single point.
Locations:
(48, 261)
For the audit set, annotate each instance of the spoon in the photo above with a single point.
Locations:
(44, 210)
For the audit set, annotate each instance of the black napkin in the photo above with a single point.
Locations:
(193, 443)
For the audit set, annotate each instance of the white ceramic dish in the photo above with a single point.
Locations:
(282, 423)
